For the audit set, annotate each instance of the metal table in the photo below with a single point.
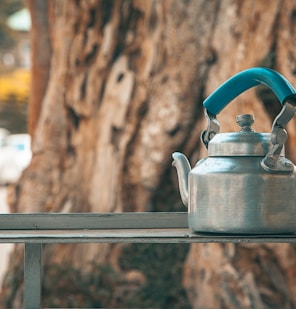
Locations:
(36, 229)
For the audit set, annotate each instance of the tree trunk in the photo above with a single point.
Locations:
(41, 54)
(125, 90)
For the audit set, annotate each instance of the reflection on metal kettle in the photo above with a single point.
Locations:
(245, 185)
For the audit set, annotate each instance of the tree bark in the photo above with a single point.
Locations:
(41, 54)
(125, 89)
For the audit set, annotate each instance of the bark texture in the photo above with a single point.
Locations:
(125, 90)
(41, 54)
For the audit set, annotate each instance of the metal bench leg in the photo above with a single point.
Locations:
(33, 276)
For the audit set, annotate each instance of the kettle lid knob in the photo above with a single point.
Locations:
(245, 121)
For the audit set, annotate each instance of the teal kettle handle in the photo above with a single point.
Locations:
(245, 80)
(286, 94)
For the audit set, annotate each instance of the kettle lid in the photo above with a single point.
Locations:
(246, 142)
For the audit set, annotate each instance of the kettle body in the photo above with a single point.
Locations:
(235, 195)
(245, 185)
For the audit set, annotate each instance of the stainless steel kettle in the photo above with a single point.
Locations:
(245, 185)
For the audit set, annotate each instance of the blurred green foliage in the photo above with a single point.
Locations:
(8, 7)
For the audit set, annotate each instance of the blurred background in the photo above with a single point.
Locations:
(15, 63)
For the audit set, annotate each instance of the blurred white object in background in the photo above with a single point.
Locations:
(15, 156)
(5, 249)
(3, 137)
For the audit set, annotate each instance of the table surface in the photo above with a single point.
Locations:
(136, 227)
(166, 235)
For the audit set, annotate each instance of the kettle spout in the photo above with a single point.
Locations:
(182, 165)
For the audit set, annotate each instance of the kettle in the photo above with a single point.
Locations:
(245, 185)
